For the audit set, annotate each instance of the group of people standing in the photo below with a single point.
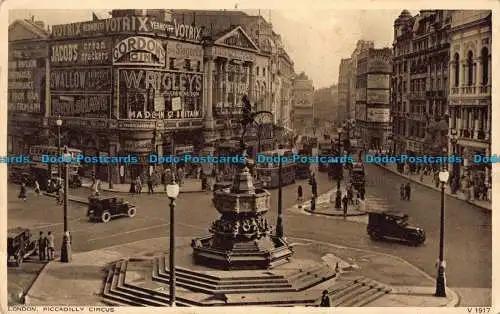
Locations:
(405, 191)
(46, 247)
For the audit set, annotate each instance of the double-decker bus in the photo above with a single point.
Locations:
(42, 171)
(324, 149)
(268, 173)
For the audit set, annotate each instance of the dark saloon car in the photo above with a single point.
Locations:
(394, 225)
(104, 208)
(20, 245)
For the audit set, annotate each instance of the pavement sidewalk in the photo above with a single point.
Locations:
(428, 182)
(80, 282)
(188, 186)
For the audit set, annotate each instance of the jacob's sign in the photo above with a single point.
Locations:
(139, 50)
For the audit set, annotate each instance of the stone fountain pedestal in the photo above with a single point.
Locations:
(241, 238)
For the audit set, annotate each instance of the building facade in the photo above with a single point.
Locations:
(420, 79)
(325, 105)
(28, 91)
(470, 89)
(373, 118)
(361, 46)
(344, 89)
(303, 109)
(138, 82)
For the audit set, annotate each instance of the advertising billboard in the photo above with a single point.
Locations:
(139, 50)
(26, 86)
(378, 114)
(186, 57)
(84, 106)
(81, 52)
(81, 79)
(181, 92)
(381, 81)
(127, 25)
(377, 96)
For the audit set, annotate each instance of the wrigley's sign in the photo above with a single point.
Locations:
(179, 114)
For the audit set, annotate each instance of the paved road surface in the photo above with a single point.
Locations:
(468, 229)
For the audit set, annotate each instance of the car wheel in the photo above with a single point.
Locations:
(131, 212)
(105, 217)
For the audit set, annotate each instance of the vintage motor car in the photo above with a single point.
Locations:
(104, 208)
(20, 245)
(394, 225)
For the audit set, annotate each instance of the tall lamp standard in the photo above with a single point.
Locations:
(279, 222)
(172, 193)
(440, 281)
(338, 195)
(66, 243)
(59, 124)
(339, 131)
(456, 166)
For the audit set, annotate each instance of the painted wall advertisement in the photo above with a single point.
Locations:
(127, 25)
(26, 86)
(81, 52)
(361, 112)
(136, 146)
(178, 89)
(81, 79)
(377, 96)
(378, 81)
(378, 114)
(139, 50)
(184, 57)
(380, 64)
(84, 106)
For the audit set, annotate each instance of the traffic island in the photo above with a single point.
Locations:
(135, 275)
(325, 207)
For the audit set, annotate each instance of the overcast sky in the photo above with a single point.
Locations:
(316, 39)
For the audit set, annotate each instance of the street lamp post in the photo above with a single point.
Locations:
(440, 281)
(172, 193)
(279, 223)
(66, 243)
(338, 195)
(59, 124)
(456, 166)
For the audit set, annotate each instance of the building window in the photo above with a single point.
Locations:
(258, 71)
(470, 68)
(263, 71)
(457, 69)
(484, 61)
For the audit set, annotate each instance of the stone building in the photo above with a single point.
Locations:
(374, 71)
(28, 93)
(470, 87)
(138, 82)
(325, 106)
(420, 78)
(361, 46)
(344, 89)
(303, 109)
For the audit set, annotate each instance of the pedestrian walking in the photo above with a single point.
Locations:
(37, 188)
(132, 187)
(150, 185)
(350, 195)
(41, 247)
(402, 192)
(325, 299)
(300, 194)
(50, 246)
(408, 191)
(138, 185)
(96, 188)
(59, 195)
(22, 192)
(362, 193)
(94, 182)
(345, 202)
(421, 175)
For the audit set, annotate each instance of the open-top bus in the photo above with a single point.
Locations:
(268, 172)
